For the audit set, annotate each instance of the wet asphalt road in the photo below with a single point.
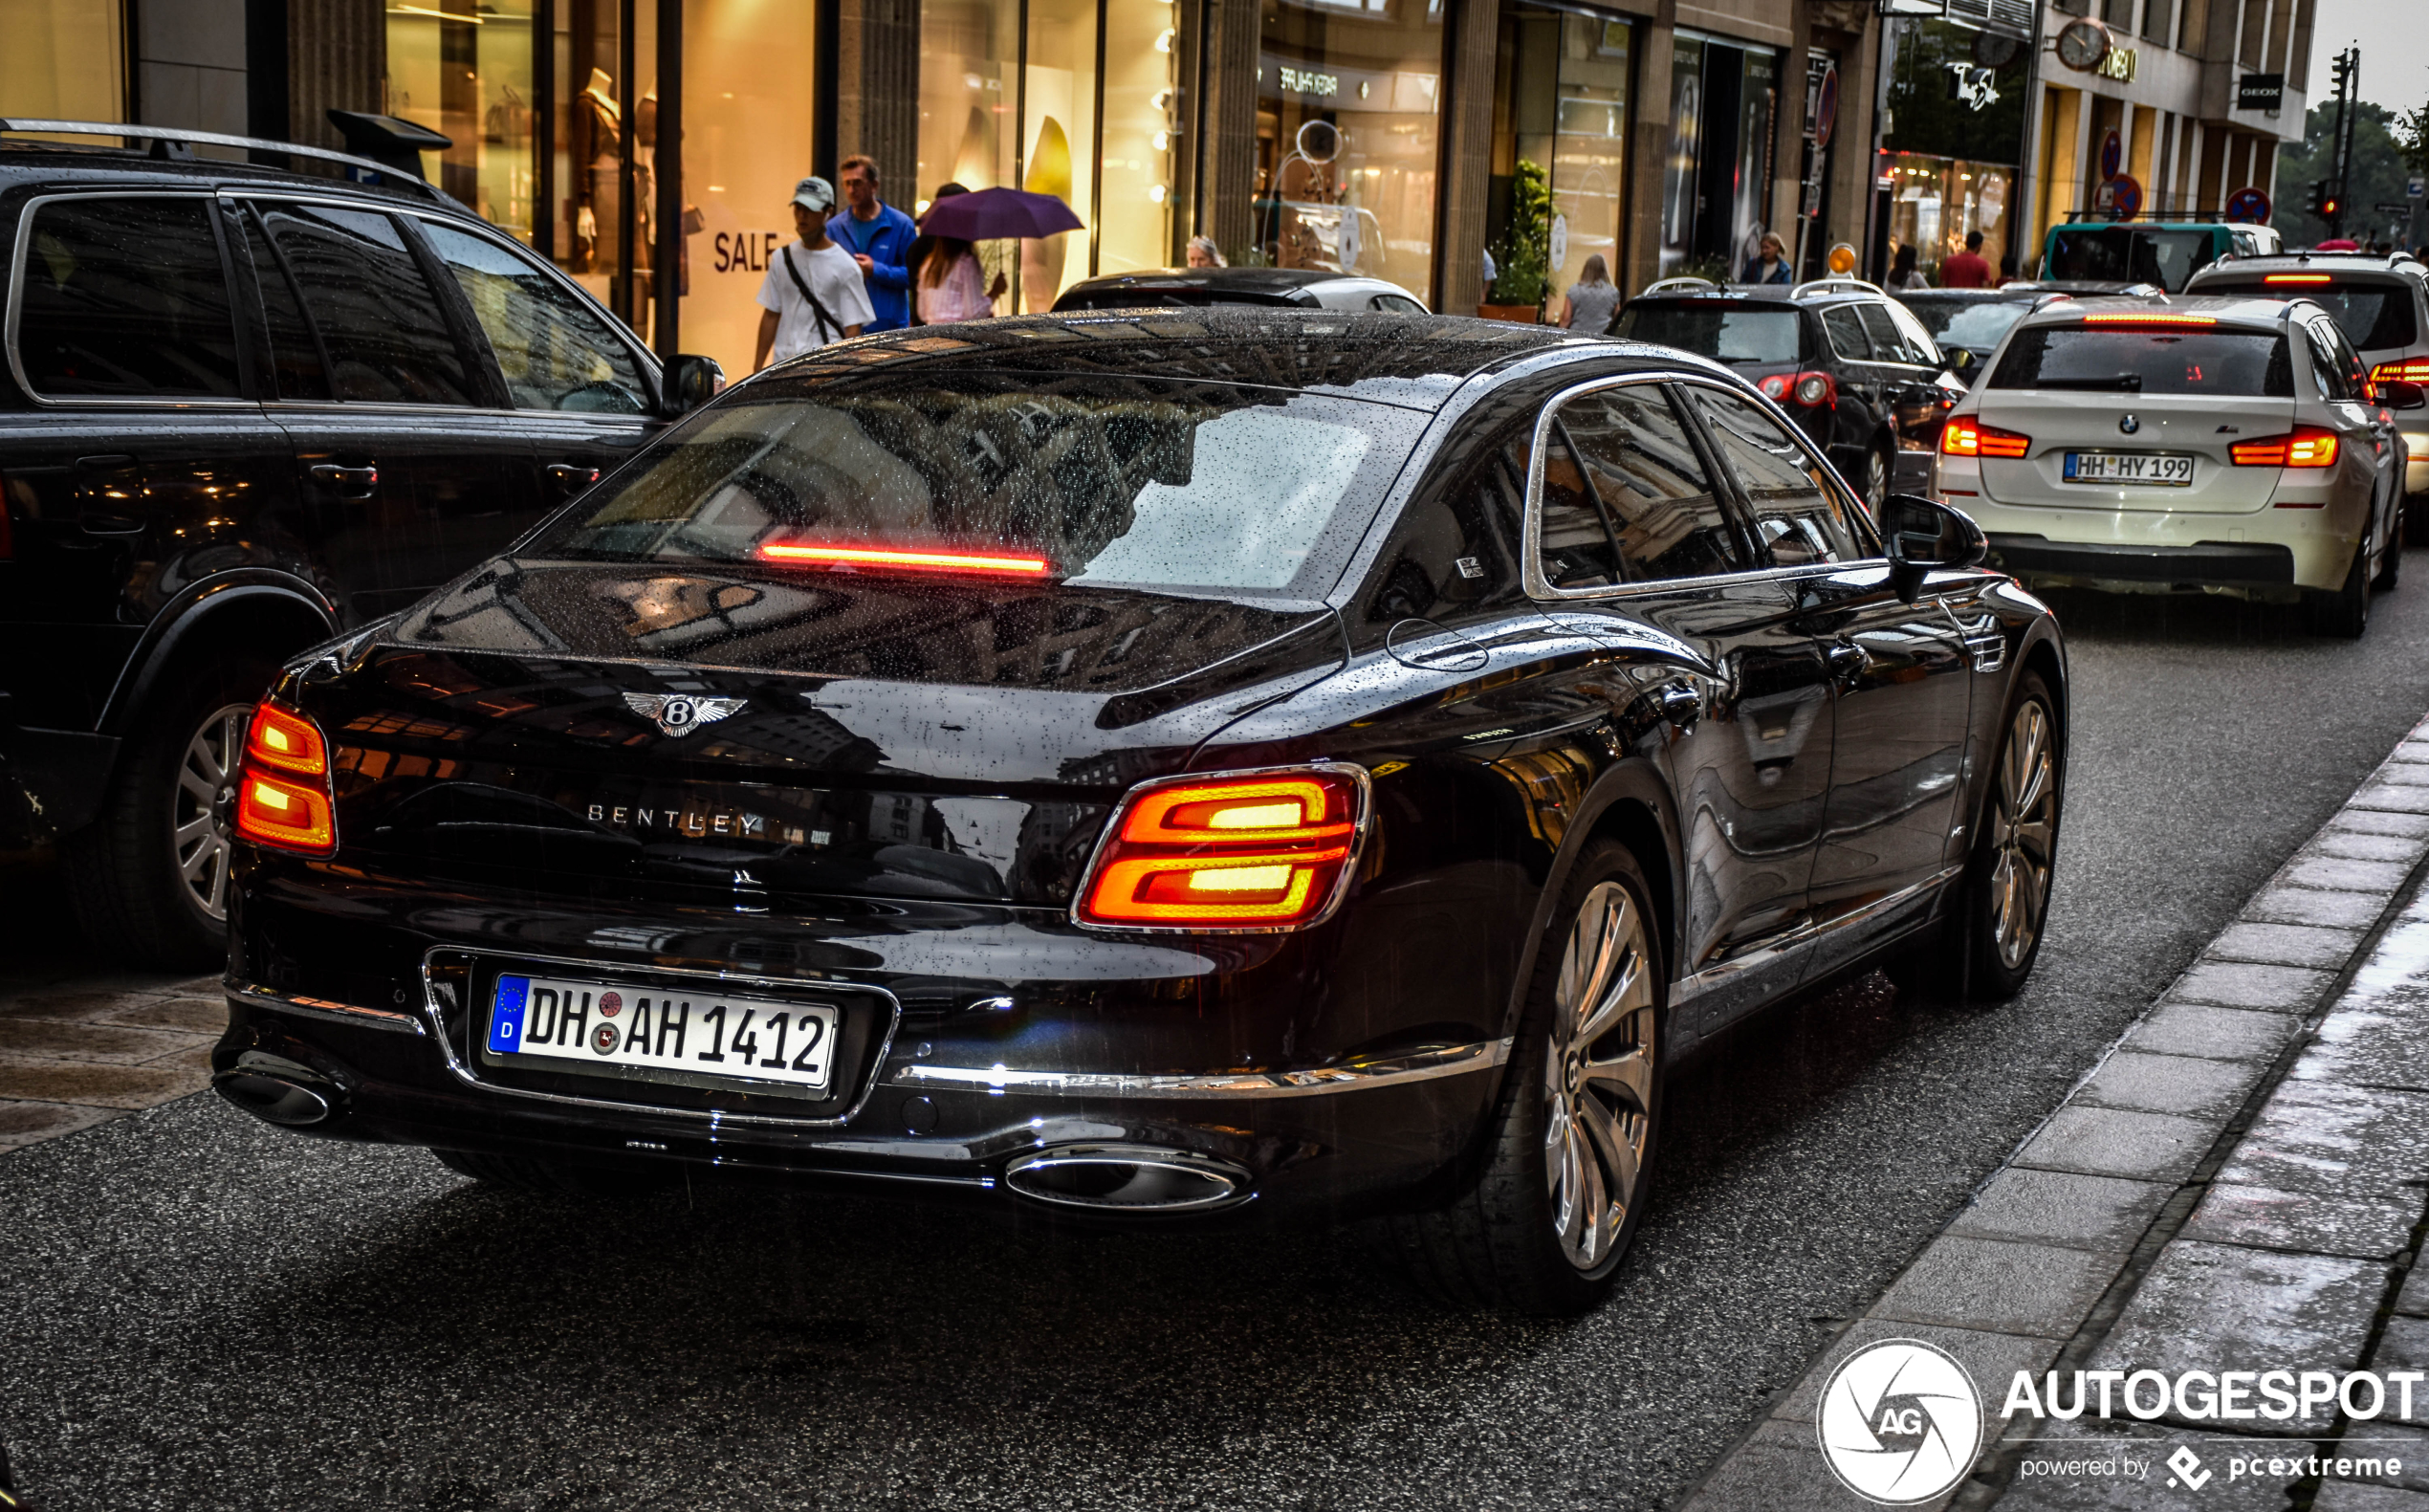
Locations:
(197, 1312)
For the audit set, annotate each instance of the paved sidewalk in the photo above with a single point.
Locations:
(73, 1056)
(2239, 1186)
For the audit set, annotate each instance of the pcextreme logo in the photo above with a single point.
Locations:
(1899, 1422)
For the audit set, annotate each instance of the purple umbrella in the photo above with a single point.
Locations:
(998, 214)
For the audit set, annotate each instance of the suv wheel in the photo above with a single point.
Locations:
(1876, 479)
(149, 876)
(1568, 1162)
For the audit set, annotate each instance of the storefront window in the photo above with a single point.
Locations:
(1347, 101)
(1561, 101)
(465, 71)
(1716, 177)
(1134, 216)
(1958, 101)
(601, 114)
(1059, 105)
(746, 142)
(64, 60)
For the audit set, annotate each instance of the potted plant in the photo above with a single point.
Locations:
(1522, 264)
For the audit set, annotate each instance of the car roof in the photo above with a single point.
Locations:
(1416, 361)
(1267, 281)
(2246, 312)
(61, 165)
(2013, 294)
(2395, 266)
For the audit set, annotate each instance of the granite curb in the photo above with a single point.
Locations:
(2239, 1176)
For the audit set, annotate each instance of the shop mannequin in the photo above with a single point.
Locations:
(595, 133)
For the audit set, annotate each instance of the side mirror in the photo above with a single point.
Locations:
(2397, 393)
(1923, 533)
(689, 383)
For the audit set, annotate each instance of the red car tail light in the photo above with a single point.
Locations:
(1257, 851)
(1813, 391)
(2411, 370)
(1964, 436)
(1775, 388)
(2304, 446)
(2147, 318)
(886, 558)
(2296, 277)
(284, 798)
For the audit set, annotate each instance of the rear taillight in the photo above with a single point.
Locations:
(2143, 320)
(2411, 370)
(1812, 390)
(2296, 277)
(284, 798)
(1964, 436)
(2304, 446)
(1248, 852)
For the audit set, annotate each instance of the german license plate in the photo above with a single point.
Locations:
(553, 1024)
(2157, 469)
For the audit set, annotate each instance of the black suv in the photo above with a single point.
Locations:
(1857, 371)
(1283, 288)
(245, 410)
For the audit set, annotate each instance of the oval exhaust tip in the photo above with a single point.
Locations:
(1128, 1179)
(272, 1099)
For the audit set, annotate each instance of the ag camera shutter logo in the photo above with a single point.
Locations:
(1899, 1422)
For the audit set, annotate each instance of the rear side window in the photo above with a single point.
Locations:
(126, 298)
(1797, 520)
(377, 316)
(2122, 254)
(1890, 344)
(555, 351)
(1728, 330)
(1846, 333)
(2149, 361)
(2328, 367)
(1626, 498)
(295, 350)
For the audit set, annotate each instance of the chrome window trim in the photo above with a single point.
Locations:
(8, 327)
(391, 1021)
(1424, 1065)
(714, 1117)
(1358, 777)
(1540, 589)
(389, 406)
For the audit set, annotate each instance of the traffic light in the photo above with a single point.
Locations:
(2313, 198)
(2341, 69)
(2331, 202)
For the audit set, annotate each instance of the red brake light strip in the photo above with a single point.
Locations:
(910, 561)
(2142, 318)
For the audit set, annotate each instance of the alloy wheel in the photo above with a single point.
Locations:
(2022, 829)
(1598, 1084)
(196, 829)
(1877, 480)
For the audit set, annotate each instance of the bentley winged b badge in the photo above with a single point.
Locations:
(679, 714)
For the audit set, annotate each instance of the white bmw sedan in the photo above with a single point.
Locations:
(2229, 445)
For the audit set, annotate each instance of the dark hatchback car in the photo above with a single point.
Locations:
(244, 408)
(1861, 375)
(1147, 768)
(1276, 288)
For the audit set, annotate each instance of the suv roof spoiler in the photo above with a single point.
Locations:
(179, 135)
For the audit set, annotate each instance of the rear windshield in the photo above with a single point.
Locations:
(2372, 316)
(1974, 324)
(2222, 363)
(1729, 330)
(2120, 254)
(1108, 479)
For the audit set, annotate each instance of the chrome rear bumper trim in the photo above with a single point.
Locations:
(1449, 1061)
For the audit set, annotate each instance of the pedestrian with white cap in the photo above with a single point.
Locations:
(813, 293)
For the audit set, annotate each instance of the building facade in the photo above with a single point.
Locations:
(649, 147)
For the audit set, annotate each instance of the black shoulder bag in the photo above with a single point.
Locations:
(818, 311)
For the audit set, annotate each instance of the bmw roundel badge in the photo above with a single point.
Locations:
(2128, 424)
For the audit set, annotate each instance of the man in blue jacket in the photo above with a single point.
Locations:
(877, 236)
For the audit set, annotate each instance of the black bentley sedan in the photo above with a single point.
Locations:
(1150, 766)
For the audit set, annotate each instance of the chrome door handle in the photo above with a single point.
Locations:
(570, 477)
(349, 482)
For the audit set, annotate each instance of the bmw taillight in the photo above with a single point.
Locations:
(2411, 370)
(2304, 446)
(283, 797)
(1964, 436)
(1245, 852)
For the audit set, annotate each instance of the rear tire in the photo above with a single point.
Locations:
(526, 1173)
(2345, 613)
(1543, 1225)
(1986, 945)
(148, 877)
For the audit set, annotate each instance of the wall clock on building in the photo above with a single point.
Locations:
(2084, 44)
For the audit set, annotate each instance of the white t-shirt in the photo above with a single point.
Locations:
(834, 277)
